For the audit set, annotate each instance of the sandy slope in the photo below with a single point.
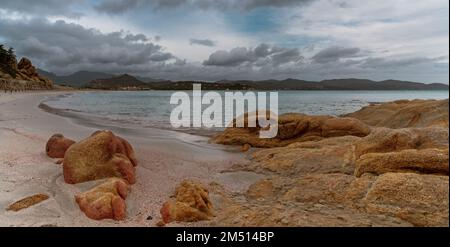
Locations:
(165, 157)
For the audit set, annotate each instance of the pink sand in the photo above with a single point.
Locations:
(166, 158)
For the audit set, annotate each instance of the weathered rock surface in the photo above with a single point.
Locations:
(405, 113)
(105, 201)
(422, 200)
(245, 147)
(327, 171)
(292, 128)
(326, 156)
(101, 155)
(425, 161)
(383, 140)
(313, 200)
(26, 77)
(57, 146)
(191, 203)
(392, 199)
(27, 202)
(26, 71)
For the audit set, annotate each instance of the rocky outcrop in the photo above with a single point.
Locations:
(425, 161)
(292, 128)
(57, 146)
(422, 200)
(325, 156)
(101, 155)
(27, 72)
(26, 68)
(391, 199)
(322, 172)
(25, 77)
(383, 140)
(105, 201)
(405, 113)
(191, 203)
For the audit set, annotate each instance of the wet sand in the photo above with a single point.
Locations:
(165, 159)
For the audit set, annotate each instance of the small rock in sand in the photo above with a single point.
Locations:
(101, 155)
(27, 202)
(191, 203)
(160, 223)
(245, 147)
(57, 146)
(105, 201)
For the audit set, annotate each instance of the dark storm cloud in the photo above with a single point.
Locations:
(161, 56)
(136, 37)
(42, 7)
(333, 54)
(395, 62)
(64, 48)
(205, 42)
(286, 56)
(120, 6)
(261, 55)
(251, 4)
(234, 57)
(116, 6)
(61, 46)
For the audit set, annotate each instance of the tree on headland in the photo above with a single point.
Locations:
(7, 60)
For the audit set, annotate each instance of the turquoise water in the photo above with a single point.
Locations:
(152, 108)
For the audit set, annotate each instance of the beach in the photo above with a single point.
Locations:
(227, 114)
(165, 158)
(383, 165)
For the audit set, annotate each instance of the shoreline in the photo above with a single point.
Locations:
(166, 158)
(89, 119)
(297, 188)
(92, 118)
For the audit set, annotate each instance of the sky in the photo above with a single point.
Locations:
(234, 39)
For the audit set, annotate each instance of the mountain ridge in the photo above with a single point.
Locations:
(100, 80)
(83, 77)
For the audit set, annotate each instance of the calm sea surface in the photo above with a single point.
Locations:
(152, 108)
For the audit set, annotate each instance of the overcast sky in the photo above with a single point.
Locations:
(234, 39)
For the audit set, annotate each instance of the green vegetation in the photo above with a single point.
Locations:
(7, 60)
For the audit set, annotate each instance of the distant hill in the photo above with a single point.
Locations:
(294, 84)
(110, 81)
(359, 84)
(82, 78)
(148, 79)
(124, 81)
(77, 79)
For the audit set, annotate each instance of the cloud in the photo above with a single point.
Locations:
(136, 37)
(252, 39)
(286, 56)
(334, 53)
(413, 28)
(394, 63)
(42, 7)
(121, 6)
(234, 57)
(62, 46)
(205, 42)
(116, 6)
(261, 55)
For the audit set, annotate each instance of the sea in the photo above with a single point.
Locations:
(152, 109)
